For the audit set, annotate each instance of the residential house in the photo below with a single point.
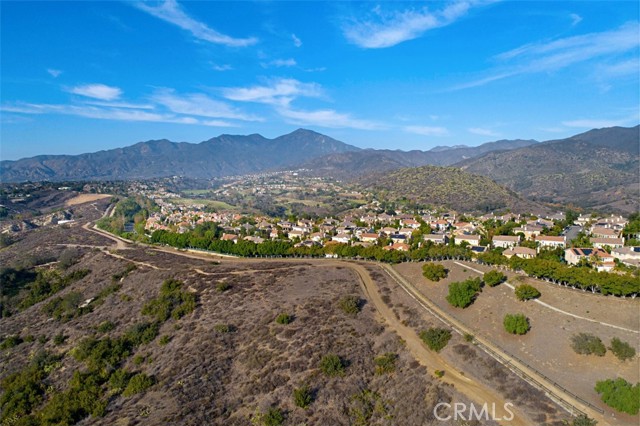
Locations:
(406, 232)
(317, 236)
(521, 252)
(602, 232)
(389, 231)
(436, 238)
(230, 237)
(440, 225)
(607, 242)
(397, 246)
(629, 256)
(550, 241)
(529, 231)
(369, 237)
(295, 234)
(341, 238)
(602, 260)
(505, 241)
(398, 238)
(410, 223)
(472, 240)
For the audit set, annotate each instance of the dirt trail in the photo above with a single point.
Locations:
(121, 243)
(475, 391)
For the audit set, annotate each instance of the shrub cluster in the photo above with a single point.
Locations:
(526, 292)
(436, 338)
(172, 302)
(516, 324)
(434, 271)
(302, 396)
(284, 318)
(350, 305)
(622, 350)
(493, 278)
(587, 344)
(386, 363)
(332, 365)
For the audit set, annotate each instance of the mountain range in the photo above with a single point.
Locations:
(225, 155)
(231, 155)
(597, 169)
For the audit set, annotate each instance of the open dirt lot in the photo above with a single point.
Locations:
(546, 347)
(86, 198)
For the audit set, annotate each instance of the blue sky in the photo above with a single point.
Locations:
(85, 76)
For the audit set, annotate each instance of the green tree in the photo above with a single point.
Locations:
(462, 293)
(526, 292)
(434, 271)
(493, 278)
(620, 394)
(516, 324)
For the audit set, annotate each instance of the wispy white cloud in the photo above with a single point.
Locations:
(327, 118)
(280, 63)
(276, 92)
(597, 123)
(126, 105)
(223, 67)
(550, 56)
(296, 41)
(483, 132)
(483, 81)
(198, 104)
(619, 69)
(115, 114)
(388, 29)
(564, 52)
(575, 19)
(54, 72)
(97, 91)
(427, 130)
(553, 129)
(170, 11)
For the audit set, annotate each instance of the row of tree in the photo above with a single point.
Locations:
(548, 266)
(286, 248)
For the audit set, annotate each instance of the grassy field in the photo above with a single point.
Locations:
(212, 203)
(196, 191)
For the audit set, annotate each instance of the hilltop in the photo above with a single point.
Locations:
(595, 169)
(447, 187)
